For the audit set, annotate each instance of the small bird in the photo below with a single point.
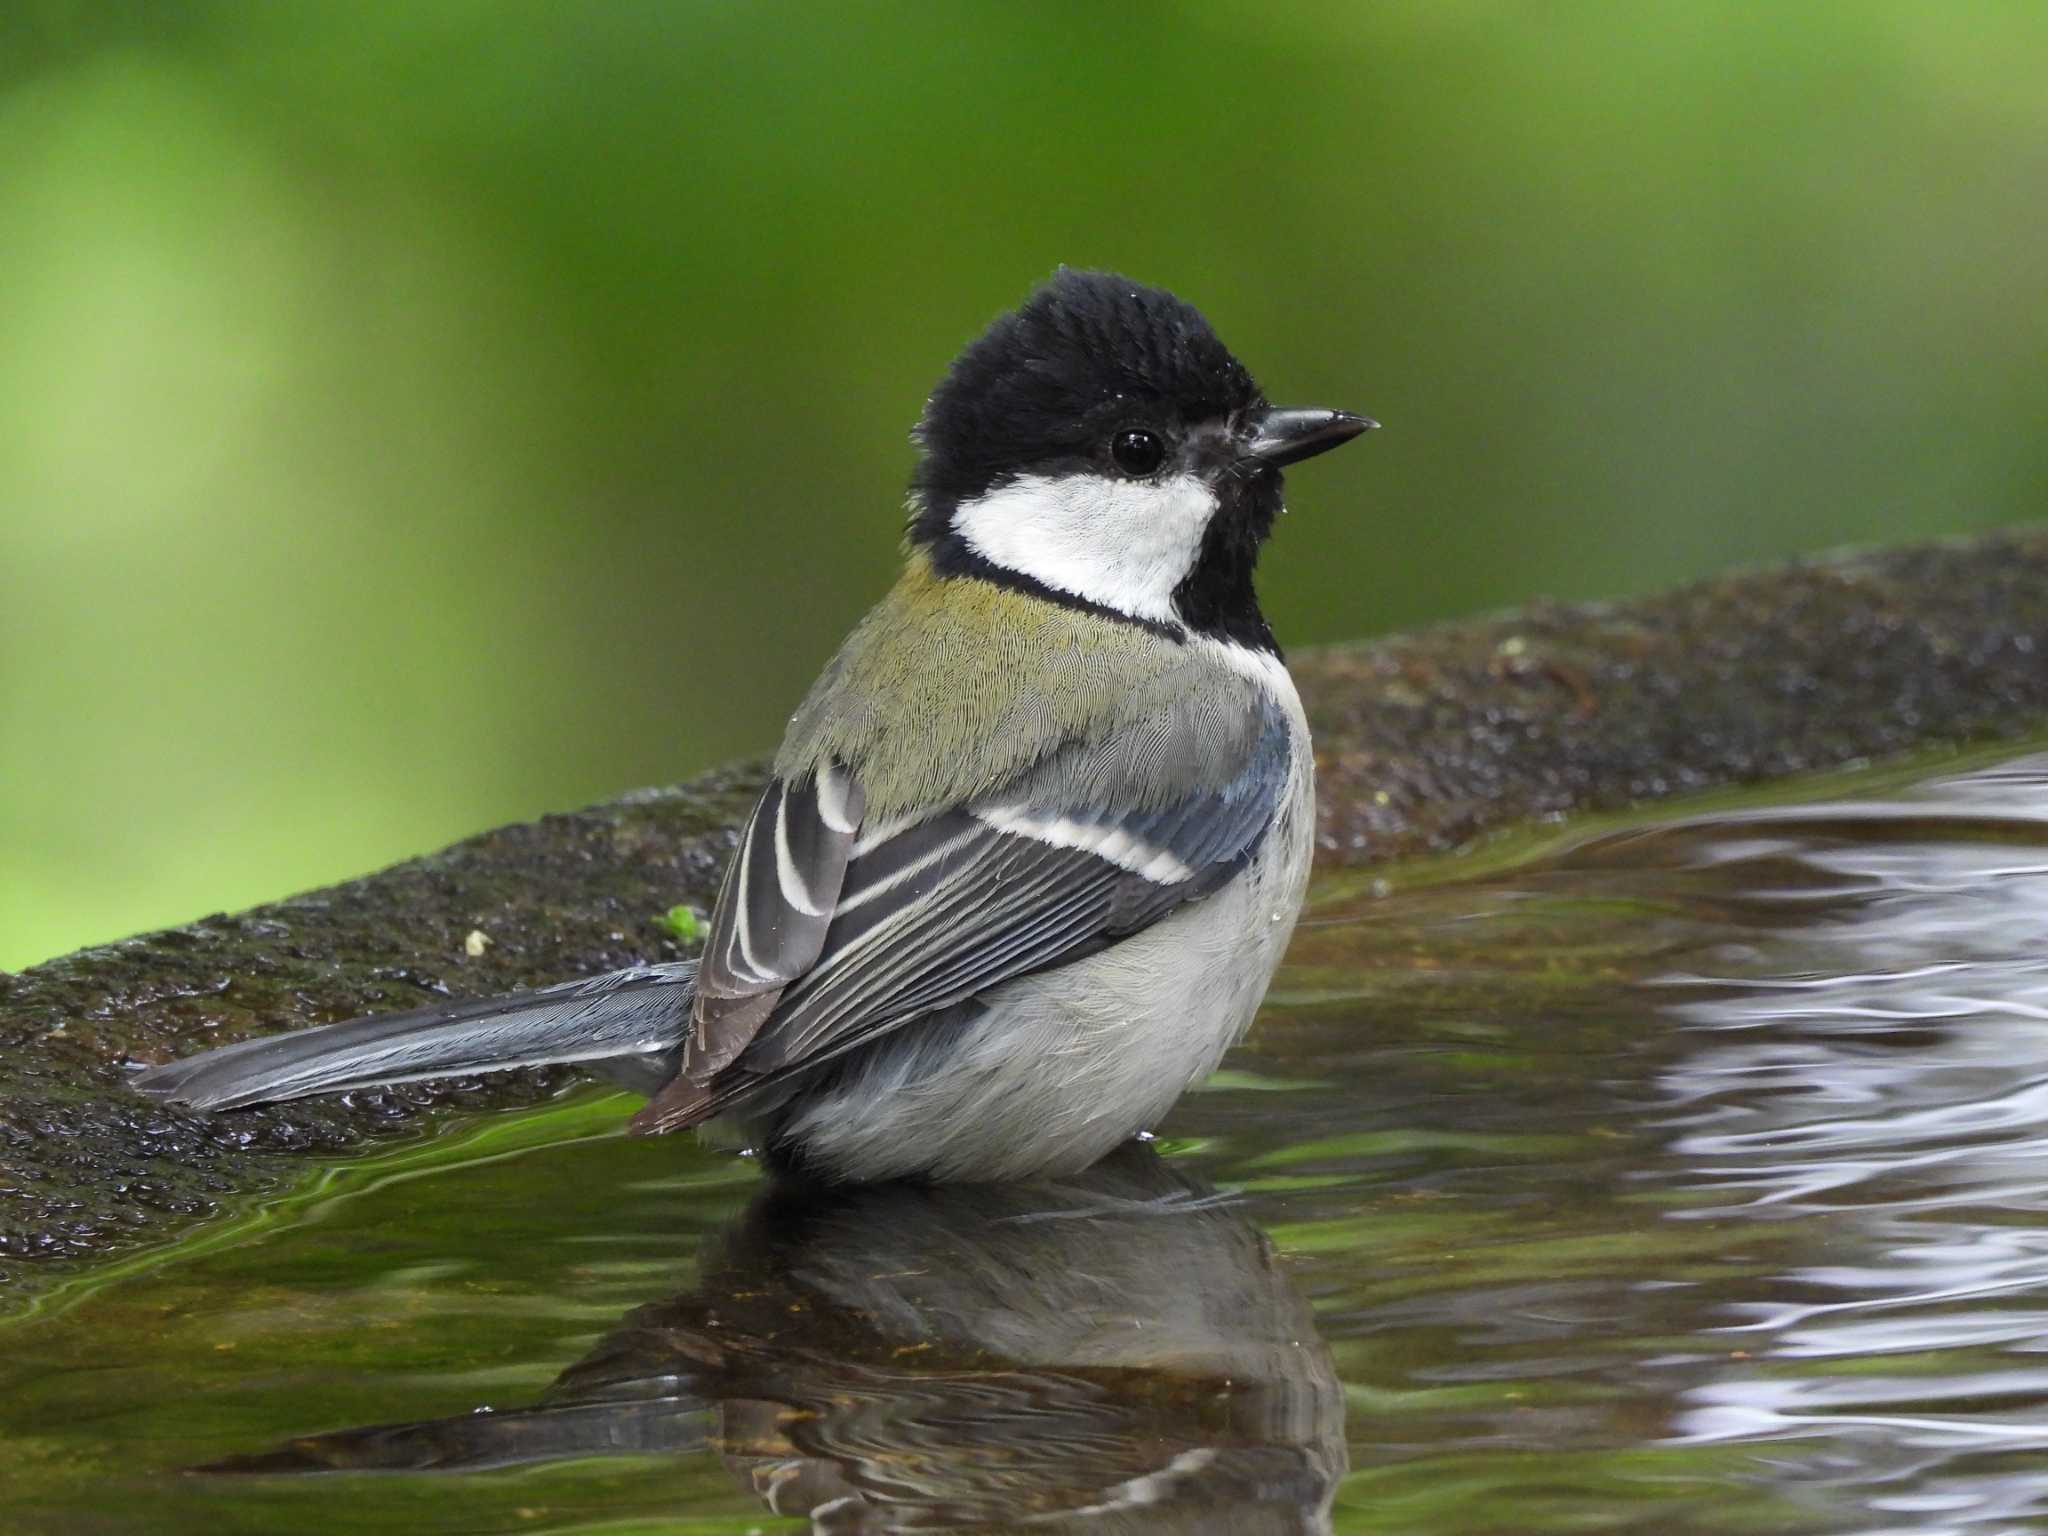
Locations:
(1036, 839)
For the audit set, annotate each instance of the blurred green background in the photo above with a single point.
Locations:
(415, 416)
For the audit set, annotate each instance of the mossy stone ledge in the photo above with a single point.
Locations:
(1424, 741)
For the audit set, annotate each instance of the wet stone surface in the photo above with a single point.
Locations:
(87, 1168)
(1424, 742)
(1427, 740)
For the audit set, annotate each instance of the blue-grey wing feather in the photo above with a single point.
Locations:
(769, 923)
(1074, 856)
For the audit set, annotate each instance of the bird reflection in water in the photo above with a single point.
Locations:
(1116, 1350)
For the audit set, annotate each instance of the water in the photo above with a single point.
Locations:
(1681, 1174)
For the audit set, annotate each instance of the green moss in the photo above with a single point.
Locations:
(682, 924)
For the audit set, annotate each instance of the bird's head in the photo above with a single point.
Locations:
(1099, 445)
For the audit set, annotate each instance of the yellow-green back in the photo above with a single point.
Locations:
(953, 686)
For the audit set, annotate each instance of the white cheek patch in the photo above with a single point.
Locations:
(1125, 544)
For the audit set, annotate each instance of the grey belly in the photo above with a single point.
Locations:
(1047, 1073)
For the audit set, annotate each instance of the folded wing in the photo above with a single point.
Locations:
(773, 911)
(1076, 854)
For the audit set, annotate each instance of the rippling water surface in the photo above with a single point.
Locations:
(1680, 1175)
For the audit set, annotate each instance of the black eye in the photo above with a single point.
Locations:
(1137, 452)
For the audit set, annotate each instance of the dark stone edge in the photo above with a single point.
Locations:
(1424, 742)
(1427, 740)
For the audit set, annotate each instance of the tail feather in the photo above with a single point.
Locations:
(632, 1014)
(473, 1442)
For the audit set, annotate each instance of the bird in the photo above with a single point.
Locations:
(1034, 842)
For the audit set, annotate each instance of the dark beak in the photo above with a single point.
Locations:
(1284, 436)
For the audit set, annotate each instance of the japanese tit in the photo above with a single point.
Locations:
(1036, 839)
